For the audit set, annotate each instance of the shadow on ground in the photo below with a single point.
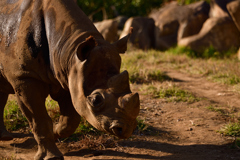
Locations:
(165, 151)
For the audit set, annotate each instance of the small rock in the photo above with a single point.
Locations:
(179, 120)
(88, 155)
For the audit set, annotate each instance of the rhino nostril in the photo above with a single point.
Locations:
(118, 130)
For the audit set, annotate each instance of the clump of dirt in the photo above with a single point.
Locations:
(94, 142)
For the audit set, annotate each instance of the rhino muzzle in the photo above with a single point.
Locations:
(114, 109)
(130, 105)
(117, 129)
(121, 130)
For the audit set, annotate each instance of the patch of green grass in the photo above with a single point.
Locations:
(134, 76)
(226, 79)
(182, 50)
(52, 109)
(215, 109)
(171, 94)
(145, 129)
(141, 126)
(209, 52)
(157, 75)
(133, 57)
(134, 62)
(86, 128)
(147, 76)
(231, 129)
(13, 117)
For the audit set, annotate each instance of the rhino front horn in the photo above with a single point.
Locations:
(131, 104)
(119, 83)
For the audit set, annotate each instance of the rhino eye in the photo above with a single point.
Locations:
(96, 100)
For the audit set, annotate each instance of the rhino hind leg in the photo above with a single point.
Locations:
(4, 134)
(31, 96)
(69, 118)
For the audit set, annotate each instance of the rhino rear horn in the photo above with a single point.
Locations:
(121, 44)
(119, 83)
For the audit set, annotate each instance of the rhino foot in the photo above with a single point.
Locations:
(38, 157)
(5, 135)
(45, 154)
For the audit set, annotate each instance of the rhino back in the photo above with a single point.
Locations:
(24, 49)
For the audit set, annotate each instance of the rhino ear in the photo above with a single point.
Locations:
(85, 47)
(121, 44)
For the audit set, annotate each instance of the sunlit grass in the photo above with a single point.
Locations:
(53, 109)
(142, 66)
(217, 67)
(210, 52)
(231, 129)
(147, 76)
(215, 109)
(171, 93)
(141, 126)
(13, 117)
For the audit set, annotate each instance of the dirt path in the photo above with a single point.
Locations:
(203, 88)
(179, 131)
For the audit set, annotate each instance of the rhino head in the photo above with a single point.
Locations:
(100, 93)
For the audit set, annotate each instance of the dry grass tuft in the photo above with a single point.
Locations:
(94, 142)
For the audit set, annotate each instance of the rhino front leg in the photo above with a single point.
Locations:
(31, 96)
(69, 119)
(4, 134)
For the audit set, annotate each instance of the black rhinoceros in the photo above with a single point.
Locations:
(51, 47)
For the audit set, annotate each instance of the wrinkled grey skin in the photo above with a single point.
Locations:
(51, 47)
